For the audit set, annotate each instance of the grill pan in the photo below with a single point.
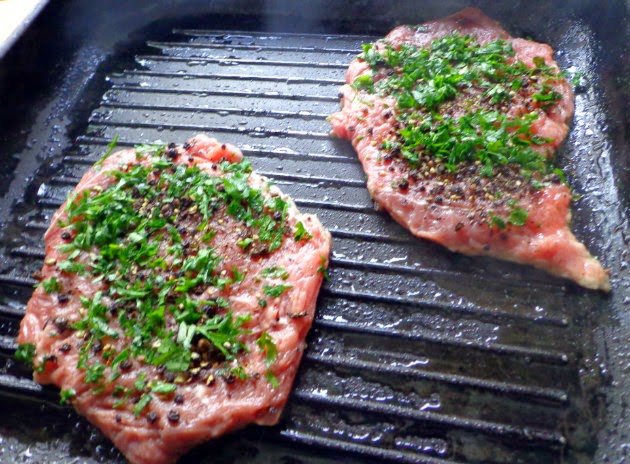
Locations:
(416, 354)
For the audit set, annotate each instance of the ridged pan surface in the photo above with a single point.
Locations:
(416, 354)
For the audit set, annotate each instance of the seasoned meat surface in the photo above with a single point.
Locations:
(176, 294)
(456, 125)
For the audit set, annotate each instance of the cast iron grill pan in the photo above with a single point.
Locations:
(416, 354)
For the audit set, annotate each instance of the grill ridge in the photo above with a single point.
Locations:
(235, 61)
(206, 93)
(288, 49)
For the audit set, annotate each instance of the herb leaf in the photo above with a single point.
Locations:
(275, 272)
(51, 285)
(65, 396)
(266, 344)
(141, 404)
(272, 379)
(275, 290)
(301, 233)
(163, 388)
(25, 353)
(518, 217)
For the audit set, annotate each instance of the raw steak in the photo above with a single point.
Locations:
(456, 125)
(176, 294)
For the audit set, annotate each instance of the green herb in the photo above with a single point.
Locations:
(560, 174)
(140, 383)
(25, 353)
(245, 242)
(237, 276)
(51, 285)
(272, 379)
(94, 373)
(301, 233)
(66, 395)
(110, 147)
(262, 303)
(123, 394)
(577, 78)
(71, 267)
(223, 332)
(141, 404)
(175, 357)
(275, 290)
(518, 217)
(363, 83)
(497, 221)
(322, 269)
(208, 236)
(163, 388)
(155, 149)
(487, 136)
(267, 346)
(423, 79)
(122, 356)
(275, 272)
(239, 372)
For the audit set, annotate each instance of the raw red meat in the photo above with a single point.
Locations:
(465, 209)
(156, 411)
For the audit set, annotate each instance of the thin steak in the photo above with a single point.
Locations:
(443, 154)
(176, 294)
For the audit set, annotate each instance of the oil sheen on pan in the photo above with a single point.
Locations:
(456, 125)
(177, 290)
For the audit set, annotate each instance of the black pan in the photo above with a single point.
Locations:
(417, 354)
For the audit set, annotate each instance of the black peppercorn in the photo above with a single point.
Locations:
(65, 347)
(125, 365)
(173, 416)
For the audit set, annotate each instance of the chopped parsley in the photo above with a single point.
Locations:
(322, 269)
(518, 216)
(94, 373)
(65, 396)
(301, 233)
(25, 353)
(275, 272)
(163, 388)
(275, 290)
(267, 345)
(110, 147)
(144, 401)
(51, 285)
(271, 378)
